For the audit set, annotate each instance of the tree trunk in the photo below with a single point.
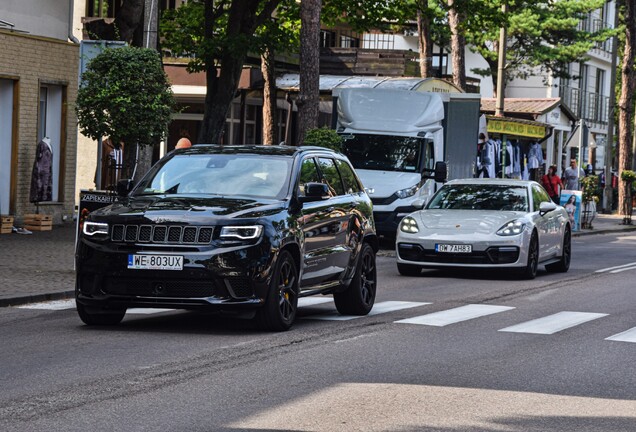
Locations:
(626, 103)
(222, 81)
(458, 44)
(269, 98)
(309, 97)
(425, 44)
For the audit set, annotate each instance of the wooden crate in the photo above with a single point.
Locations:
(6, 220)
(38, 227)
(38, 222)
(38, 217)
(5, 229)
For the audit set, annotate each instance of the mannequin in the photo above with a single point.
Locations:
(42, 174)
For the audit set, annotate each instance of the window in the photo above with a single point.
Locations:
(348, 177)
(539, 195)
(308, 174)
(327, 39)
(50, 122)
(331, 176)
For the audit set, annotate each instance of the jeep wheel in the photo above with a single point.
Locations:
(359, 296)
(280, 307)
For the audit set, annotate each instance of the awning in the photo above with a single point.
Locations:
(511, 126)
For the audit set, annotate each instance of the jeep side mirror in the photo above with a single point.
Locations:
(441, 172)
(315, 191)
(124, 187)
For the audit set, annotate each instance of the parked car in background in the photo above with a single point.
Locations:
(232, 228)
(486, 223)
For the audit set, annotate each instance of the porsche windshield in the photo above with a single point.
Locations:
(220, 174)
(388, 152)
(480, 197)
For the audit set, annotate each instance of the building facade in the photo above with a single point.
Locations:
(38, 88)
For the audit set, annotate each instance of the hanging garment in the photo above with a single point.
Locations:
(42, 174)
(487, 159)
(516, 160)
(535, 156)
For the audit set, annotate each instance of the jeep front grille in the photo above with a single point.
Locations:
(163, 234)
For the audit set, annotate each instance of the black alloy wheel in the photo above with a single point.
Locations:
(280, 308)
(530, 270)
(359, 297)
(563, 265)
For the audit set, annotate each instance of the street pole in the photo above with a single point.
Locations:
(501, 76)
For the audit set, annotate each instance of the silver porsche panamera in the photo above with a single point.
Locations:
(486, 223)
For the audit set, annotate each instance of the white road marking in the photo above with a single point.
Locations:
(623, 269)
(147, 311)
(455, 315)
(553, 323)
(626, 336)
(609, 269)
(50, 305)
(378, 308)
(311, 301)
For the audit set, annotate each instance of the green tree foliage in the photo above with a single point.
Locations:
(125, 95)
(544, 36)
(323, 137)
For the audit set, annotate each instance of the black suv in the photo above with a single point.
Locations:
(232, 228)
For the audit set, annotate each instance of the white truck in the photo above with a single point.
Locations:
(402, 143)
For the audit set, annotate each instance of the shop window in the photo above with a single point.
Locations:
(50, 123)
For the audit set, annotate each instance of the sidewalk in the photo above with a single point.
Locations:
(39, 266)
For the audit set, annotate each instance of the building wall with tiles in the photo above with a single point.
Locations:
(31, 62)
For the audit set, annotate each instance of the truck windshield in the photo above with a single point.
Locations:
(388, 152)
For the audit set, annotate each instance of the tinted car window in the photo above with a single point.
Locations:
(480, 197)
(308, 174)
(219, 174)
(331, 175)
(539, 195)
(348, 177)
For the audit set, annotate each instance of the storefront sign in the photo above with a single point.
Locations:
(509, 127)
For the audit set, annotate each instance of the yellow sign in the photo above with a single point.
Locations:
(513, 128)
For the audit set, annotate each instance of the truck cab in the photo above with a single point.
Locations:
(400, 141)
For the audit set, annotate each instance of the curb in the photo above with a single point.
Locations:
(36, 298)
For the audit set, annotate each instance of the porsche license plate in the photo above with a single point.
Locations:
(453, 248)
(155, 262)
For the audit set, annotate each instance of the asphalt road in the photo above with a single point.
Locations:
(184, 371)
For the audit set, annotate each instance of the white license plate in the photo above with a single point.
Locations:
(155, 262)
(453, 248)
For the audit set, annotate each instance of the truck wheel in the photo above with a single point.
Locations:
(409, 269)
(112, 317)
(359, 296)
(280, 307)
(563, 265)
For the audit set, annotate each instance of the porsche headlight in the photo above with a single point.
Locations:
(514, 227)
(248, 232)
(409, 225)
(95, 228)
(410, 191)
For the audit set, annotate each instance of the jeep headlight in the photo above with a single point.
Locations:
(409, 225)
(247, 232)
(514, 227)
(410, 191)
(95, 228)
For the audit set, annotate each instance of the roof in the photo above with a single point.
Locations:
(280, 150)
(527, 106)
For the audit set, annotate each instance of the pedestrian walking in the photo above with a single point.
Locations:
(552, 184)
(573, 176)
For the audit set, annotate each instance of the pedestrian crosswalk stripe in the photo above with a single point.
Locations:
(553, 323)
(312, 301)
(378, 308)
(50, 305)
(626, 336)
(618, 268)
(455, 315)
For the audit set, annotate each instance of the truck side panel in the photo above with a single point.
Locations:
(461, 126)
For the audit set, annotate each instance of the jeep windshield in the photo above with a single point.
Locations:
(219, 174)
(388, 152)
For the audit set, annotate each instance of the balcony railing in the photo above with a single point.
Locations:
(590, 106)
(594, 26)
